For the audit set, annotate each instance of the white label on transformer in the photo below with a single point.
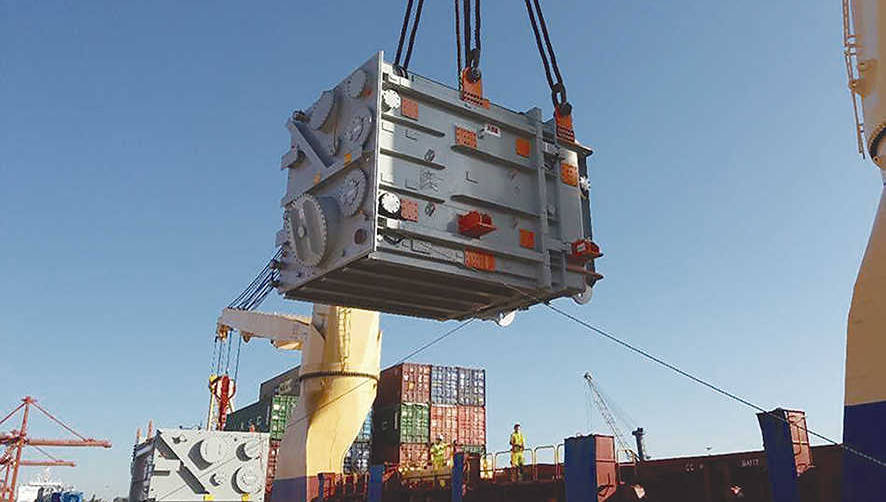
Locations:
(491, 130)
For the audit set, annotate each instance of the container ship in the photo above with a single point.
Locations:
(420, 405)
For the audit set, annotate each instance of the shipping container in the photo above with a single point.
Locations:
(268, 415)
(444, 422)
(444, 385)
(404, 383)
(402, 423)
(273, 450)
(471, 425)
(365, 433)
(407, 456)
(285, 383)
(471, 387)
(403, 197)
(357, 458)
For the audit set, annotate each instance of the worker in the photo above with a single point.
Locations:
(438, 454)
(517, 443)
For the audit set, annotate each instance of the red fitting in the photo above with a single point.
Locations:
(475, 224)
(584, 250)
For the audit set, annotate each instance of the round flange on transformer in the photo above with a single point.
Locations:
(321, 110)
(352, 192)
(307, 226)
(213, 449)
(251, 449)
(358, 129)
(355, 84)
(248, 480)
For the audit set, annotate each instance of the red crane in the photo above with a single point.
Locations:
(14, 442)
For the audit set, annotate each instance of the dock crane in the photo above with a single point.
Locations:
(15, 442)
(608, 417)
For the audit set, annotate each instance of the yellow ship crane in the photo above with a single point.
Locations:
(341, 350)
(865, 394)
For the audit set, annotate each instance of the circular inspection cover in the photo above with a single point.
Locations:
(390, 99)
(352, 192)
(213, 449)
(358, 128)
(252, 449)
(356, 83)
(308, 230)
(321, 109)
(248, 480)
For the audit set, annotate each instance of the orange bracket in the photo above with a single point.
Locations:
(564, 127)
(472, 92)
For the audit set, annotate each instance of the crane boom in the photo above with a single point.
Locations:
(604, 410)
(285, 331)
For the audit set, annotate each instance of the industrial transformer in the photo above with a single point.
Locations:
(405, 197)
(185, 465)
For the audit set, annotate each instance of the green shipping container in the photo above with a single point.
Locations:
(403, 423)
(268, 415)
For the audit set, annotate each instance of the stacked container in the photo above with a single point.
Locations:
(471, 387)
(271, 414)
(404, 383)
(356, 459)
(444, 422)
(417, 403)
(444, 385)
(401, 425)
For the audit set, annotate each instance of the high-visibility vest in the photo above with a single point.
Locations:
(517, 441)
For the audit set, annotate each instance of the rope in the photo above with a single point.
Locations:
(406, 17)
(558, 88)
(679, 371)
(412, 34)
(458, 66)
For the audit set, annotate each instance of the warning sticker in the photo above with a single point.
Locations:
(492, 130)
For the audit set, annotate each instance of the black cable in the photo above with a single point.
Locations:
(538, 43)
(412, 34)
(546, 50)
(677, 370)
(711, 386)
(237, 364)
(544, 30)
(477, 33)
(458, 66)
(406, 17)
(466, 10)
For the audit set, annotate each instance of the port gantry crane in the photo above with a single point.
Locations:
(14, 443)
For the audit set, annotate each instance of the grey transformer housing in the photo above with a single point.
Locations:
(403, 198)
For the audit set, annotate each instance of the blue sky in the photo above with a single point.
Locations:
(139, 191)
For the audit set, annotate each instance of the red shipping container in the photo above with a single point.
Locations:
(444, 422)
(405, 383)
(471, 425)
(273, 449)
(406, 455)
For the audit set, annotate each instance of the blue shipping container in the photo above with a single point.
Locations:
(444, 385)
(471, 387)
(365, 433)
(357, 458)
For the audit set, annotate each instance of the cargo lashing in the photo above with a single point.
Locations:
(404, 198)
